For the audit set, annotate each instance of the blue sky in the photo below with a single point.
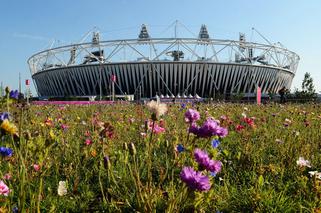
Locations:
(29, 26)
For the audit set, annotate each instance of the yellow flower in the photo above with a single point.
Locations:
(8, 127)
(93, 153)
(52, 134)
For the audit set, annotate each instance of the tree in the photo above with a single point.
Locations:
(307, 84)
(308, 90)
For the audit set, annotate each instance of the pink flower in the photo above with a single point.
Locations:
(36, 167)
(192, 116)
(64, 126)
(303, 163)
(87, 133)
(4, 189)
(131, 120)
(7, 176)
(162, 123)
(88, 142)
(158, 129)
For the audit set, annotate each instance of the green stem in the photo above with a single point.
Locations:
(149, 164)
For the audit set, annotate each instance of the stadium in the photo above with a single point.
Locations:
(171, 67)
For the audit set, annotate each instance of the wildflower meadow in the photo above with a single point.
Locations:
(191, 157)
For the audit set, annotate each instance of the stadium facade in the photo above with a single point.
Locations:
(167, 67)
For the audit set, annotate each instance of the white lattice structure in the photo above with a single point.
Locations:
(163, 66)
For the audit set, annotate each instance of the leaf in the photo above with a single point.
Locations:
(261, 181)
(225, 152)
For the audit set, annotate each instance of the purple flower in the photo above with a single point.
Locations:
(201, 158)
(205, 162)
(193, 129)
(215, 166)
(180, 148)
(15, 209)
(221, 132)
(195, 180)
(215, 143)
(14, 94)
(191, 116)
(6, 152)
(4, 116)
(209, 128)
(213, 174)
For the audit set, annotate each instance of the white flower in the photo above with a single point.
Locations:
(157, 108)
(316, 174)
(62, 188)
(244, 115)
(302, 162)
(278, 141)
(287, 121)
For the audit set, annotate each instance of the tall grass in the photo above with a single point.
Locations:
(128, 168)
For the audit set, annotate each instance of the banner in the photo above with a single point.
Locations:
(27, 82)
(258, 95)
(113, 78)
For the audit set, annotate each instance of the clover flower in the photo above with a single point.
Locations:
(195, 180)
(4, 189)
(192, 115)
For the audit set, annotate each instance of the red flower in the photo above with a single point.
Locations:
(249, 121)
(239, 127)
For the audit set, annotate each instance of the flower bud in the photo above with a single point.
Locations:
(125, 146)
(7, 90)
(167, 143)
(132, 149)
(106, 162)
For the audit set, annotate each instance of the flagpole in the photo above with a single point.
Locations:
(19, 83)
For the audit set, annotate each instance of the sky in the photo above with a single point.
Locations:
(27, 27)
